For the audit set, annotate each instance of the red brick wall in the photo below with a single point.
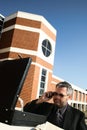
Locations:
(25, 39)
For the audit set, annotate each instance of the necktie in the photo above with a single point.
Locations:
(59, 118)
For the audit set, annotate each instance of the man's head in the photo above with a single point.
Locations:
(62, 93)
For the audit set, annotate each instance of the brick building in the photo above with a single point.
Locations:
(31, 35)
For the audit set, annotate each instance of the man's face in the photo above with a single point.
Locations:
(61, 98)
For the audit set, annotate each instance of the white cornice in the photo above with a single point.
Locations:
(73, 86)
(32, 17)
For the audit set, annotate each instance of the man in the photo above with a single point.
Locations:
(59, 113)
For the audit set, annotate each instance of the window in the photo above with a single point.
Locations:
(42, 82)
(1, 23)
(46, 47)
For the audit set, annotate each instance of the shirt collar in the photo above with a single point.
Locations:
(62, 110)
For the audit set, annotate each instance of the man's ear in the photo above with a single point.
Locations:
(70, 97)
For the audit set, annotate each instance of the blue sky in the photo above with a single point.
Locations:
(69, 18)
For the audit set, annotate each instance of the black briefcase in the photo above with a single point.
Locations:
(12, 76)
(27, 119)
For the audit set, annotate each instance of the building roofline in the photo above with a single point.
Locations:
(32, 17)
(73, 86)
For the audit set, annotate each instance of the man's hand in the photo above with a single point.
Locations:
(45, 97)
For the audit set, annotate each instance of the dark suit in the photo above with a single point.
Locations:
(73, 119)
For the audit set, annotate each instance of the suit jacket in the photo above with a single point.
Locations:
(74, 119)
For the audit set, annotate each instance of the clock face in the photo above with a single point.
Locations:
(46, 47)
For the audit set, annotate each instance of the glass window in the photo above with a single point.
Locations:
(41, 91)
(1, 24)
(46, 47)
(42, 82)
(43, 78)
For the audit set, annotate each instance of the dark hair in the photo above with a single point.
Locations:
(67, 85)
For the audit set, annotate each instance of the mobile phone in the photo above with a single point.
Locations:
(49, 94)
